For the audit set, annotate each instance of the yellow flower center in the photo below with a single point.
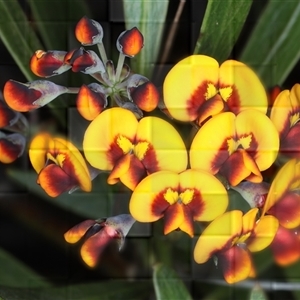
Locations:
(210, 91)
(140, 149)
(185, 197)
(58, 160)
(243, 142)
(240, 239)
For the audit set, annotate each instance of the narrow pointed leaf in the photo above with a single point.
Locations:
(221, 26)
(149, 18)
(167, 285)
(17, 35)
(274, 35)
(54, 19)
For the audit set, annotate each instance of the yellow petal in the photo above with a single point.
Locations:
(240, 79)
(263, 233)
(38, 149)
(217, 235)
(100, 145)
(210, 148)
(168, 147)
(263, 147)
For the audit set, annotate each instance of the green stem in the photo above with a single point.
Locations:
(102, 53)
(120, 66)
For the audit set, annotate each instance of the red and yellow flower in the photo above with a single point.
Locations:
(197, 88)
(59, 164)
(283, 202)
(116, 141)
(180, 199)
(231, 238)
(285, 115)
(236, 147)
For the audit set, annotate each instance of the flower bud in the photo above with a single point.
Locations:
(32, 95)
(88, 32)
(47, 64)
(130, 42)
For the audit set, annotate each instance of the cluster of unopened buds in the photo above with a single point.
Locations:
(169, 178)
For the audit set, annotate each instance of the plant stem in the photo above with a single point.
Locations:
(120, 66)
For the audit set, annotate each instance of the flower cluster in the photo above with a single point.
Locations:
(168, 177)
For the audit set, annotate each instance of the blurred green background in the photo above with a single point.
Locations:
(36, 262)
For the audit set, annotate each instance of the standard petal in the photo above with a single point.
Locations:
(211, 199)
(104, 136)
(263, 233)
(283, 180)
(189, 84)
(147, 203)
(165, 145)
(210, 146)
(262, 147)
(281, 112)
(290, 144)
(236, 264)
(74, 234)
(218, 235)
(235, 81)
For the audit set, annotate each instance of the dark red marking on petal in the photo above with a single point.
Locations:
(236, 264)
(197, 99)
(150, 161)
(159, 204)
(287, 209)
(19, 97)
(114, 152)
(221, 156)
(196, 206)
(135, 173)
(55, 180)
(234, 169)
(290, 145)
(233, 102)
(9, 151)
(286, 246)
(252, 149)
(210, 108)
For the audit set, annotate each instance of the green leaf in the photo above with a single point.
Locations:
(221, 27)
(109, 290)
(149, 17)
(257, 293)
(13, 273)
(272, 50)
(93, 205)
(55, 18)
(167, 285)
(17, 35)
